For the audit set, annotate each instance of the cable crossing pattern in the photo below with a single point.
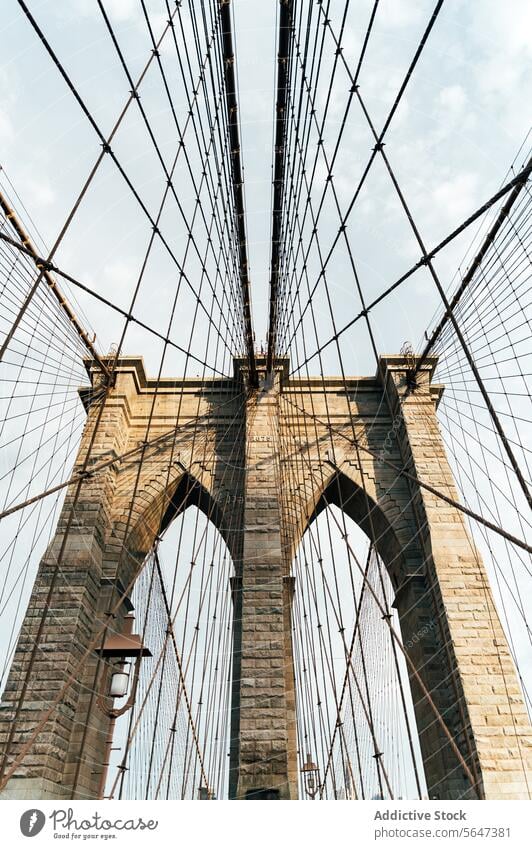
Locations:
(226, 573)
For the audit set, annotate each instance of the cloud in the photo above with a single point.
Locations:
(119, 274)
(503, 60)
(7, 132)
(399, 13)
(123, 10)
(117, 10)
(453, 99)
(511, 25)
(7, 100)
(38, 191)
(6, 86)
(457, 196)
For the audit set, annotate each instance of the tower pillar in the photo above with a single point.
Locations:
(449, 622)
(263, 750)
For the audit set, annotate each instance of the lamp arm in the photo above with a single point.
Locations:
(100, 698)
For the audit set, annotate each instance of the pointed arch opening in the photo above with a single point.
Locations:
(173, 743)
(158, 501)
(390, 538)
(355, 711)
(190, 492)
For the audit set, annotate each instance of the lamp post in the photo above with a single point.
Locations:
(205, 793)
(311, 777)
(118, 650)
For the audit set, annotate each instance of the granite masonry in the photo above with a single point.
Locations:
(262, 464)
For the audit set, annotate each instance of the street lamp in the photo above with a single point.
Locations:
(205, 793)
(118, 686)
(117, 649)
(311, 777)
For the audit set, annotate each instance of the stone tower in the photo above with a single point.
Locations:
(261, 435)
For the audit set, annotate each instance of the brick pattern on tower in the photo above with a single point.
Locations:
(242, 450)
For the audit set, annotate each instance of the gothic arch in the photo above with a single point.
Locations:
(159, 500)
(191, 492)
(382, 521)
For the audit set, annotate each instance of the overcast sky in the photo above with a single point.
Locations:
(461, 125)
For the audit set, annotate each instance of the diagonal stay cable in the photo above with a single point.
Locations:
(311, 102)
(402, 471)
(106, 149)
(84, 188)
(285, 47)
(156, 146)
(521, 177)
(367, 169)
(456, 326)
(98, 467)
(52, 285)
(238, 178)
(111, 305)
(475, 265)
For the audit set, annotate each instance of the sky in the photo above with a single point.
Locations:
(462, 125)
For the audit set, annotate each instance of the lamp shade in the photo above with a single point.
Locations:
(119, 684)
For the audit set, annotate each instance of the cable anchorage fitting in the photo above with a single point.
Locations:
(44, 264)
